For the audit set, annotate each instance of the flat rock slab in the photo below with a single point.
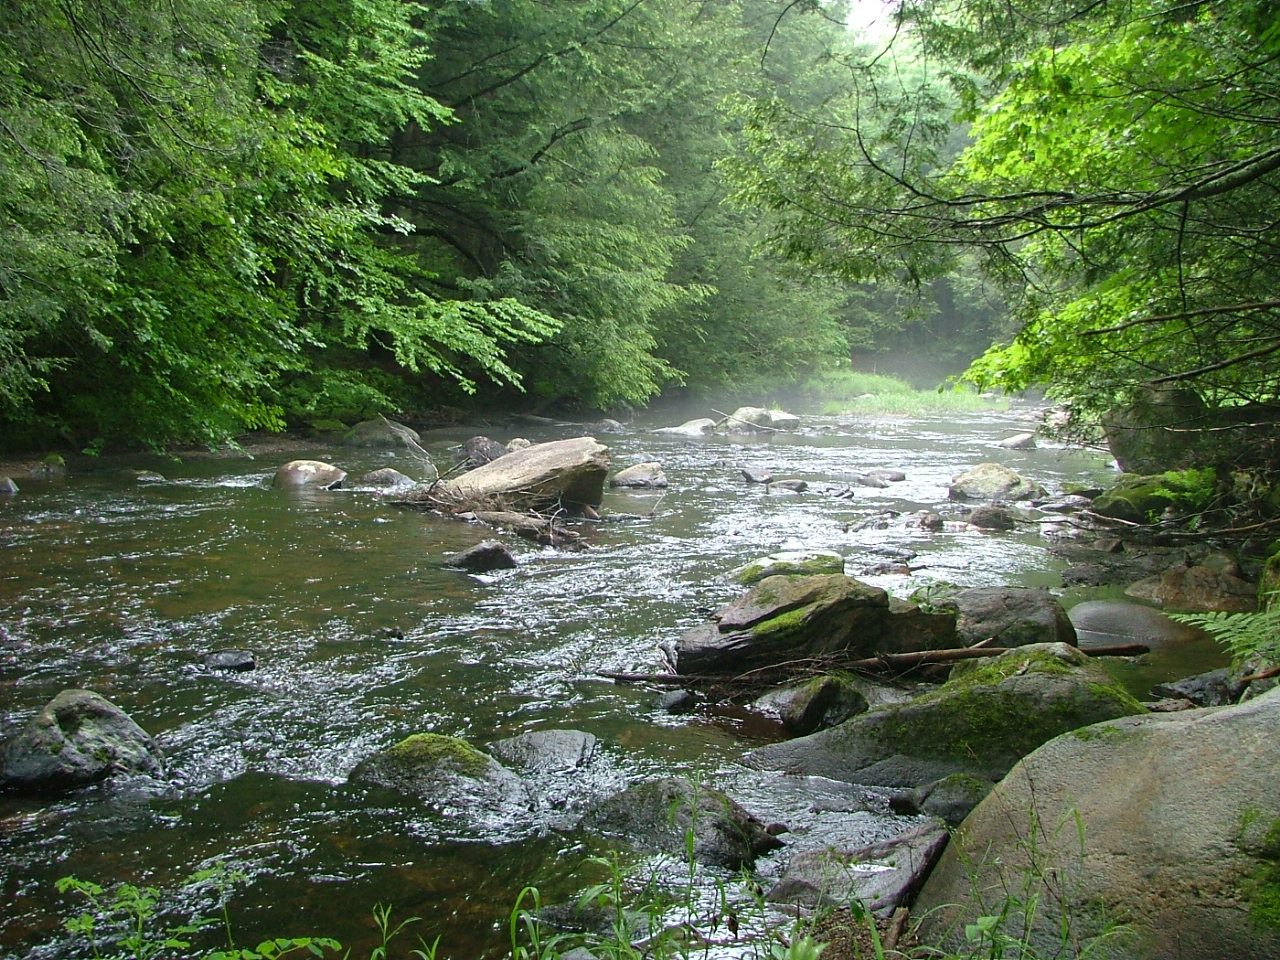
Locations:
(880, 875)
(570, 472)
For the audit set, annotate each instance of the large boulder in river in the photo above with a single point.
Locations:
(450, 775)
(79, 738)
(657, 816)
(308, 473)
(990, 714)
(1104, 622)
(994, 481)
(562, 472)
(782, 618)
(1011, 617)
(1168, 823)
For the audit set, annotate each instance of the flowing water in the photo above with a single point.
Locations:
(363, 636)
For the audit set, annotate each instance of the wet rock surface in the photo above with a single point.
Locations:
(78, 738)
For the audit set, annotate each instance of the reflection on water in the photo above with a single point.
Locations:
(363, 636)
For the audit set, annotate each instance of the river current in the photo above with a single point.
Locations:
(363, 635)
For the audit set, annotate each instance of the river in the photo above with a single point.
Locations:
(363, 635)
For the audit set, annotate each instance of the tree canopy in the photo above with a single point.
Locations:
(1118, 169)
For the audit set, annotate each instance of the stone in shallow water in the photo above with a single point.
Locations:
(235, 660)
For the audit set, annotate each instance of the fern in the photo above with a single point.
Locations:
(1247, 636)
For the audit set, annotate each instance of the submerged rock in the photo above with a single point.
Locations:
(79, 738)
(1170, 821)
(1102, 622)
(657, 816)
(991, 713)
(385, 478)
(546, 750)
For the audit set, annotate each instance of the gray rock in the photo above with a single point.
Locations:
(691, 428)
(822, 702)
(385, 478)
(1019, 441)
(887, 474)
(561, 472)
(450, 775)
(237, 661)
(989, 517)
(1103, 622)
(484, 557)
(981, 722)
(482, 450)
(676, 701)
(1013, 616)
(7, 487)
(1170, 820)
(1197, 589)
(993, 481)
(759, 419)
(308, 473)
(656, 816)
(881, 876)
(541, 751)
(381, 434)
(649, 474)
(1217, 688)
(789, 485)
(950, 799)
(781, 618)
(78, 738)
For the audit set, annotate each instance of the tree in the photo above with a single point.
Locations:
(193, 201)
(1121, 177)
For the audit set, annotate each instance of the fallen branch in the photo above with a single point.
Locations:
(885, 662)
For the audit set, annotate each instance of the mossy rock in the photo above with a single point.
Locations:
(984, 719)
(449, 773)
(660, 816)
(1134, 499)
(781, 618)
(790, 563)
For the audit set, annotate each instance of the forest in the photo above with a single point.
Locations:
(221, 217)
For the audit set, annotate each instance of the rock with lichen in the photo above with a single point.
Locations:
(450, 775)
(987, 716)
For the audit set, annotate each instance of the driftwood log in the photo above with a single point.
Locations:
(887, 663)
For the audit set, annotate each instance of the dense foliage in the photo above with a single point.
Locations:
(1119, 172)
(226, 216)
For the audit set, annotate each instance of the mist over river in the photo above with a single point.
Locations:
(363, 635)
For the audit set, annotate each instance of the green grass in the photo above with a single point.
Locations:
(874, 394)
